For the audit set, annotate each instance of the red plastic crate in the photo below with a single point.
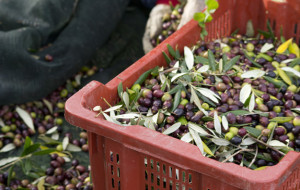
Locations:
(137, 158)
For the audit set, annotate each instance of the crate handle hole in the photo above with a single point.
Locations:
(190, 178)
(118, 172)
(118, 159)
(112, 169)
(146, 175)
(158, 181)
(152, 178)
(145, 162)
(170, 171)
(177, 174)
(111, 156)
(112, 182)
(296, 28)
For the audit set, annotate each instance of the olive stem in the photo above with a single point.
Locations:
(254, 157)
(16, 161)
(265, 144)
(241, 150)
(169, 70)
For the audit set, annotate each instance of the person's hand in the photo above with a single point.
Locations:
(154, 25)
(191, 7)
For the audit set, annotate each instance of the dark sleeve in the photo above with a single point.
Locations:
(148, 3)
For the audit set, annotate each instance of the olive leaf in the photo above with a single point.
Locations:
(250, 29)
(126, 116)
(217, 123)
(52, 130)
(176, 66)
(120, 89)
(8, 147)
(211, 61)
(266, 47)
(97, 108)
(188, 57)
(55, 136)
(225, 122)
(65, 143)
(167, 58)
(172, 52)
(197, 140)
(230, 63)
(187, 138)
(289, 69)
(221, 65)
(195, 98)
(276, 144)
(177, 76)
(143, 77)
(41, 183)
(113, 108)
(252, 103)
(288, 61)
(172, 128)
(251, 60)
(199, 59)
(209, 94)
(248, 141)
(203, 69)
(282, 119)
(253, 131)
(126, 99)
(49, 105)
(220, 141)
(1, 123)
(176, 100)
(25, 117)
(256, 73)
(245, 93)
(197, 128)
(155, 117)
(73, 148)
(8, 160)
(78, 79)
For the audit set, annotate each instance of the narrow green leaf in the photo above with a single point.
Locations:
(251, 60)
(172, 52)
(270, 30)
(253, 131)
(230, 64)
(235, 32)
(172, 128)
(225, 59)
(277, 83)
(176, 99)
(120, 89)
(175, 89)
(167, 58)
(30, 149)
(211, 61)
(282, 119)
(10, 173)
(295, 62)
(44, 152)
(200, 59)
(143, 77)
(27, 143)
(238, 112)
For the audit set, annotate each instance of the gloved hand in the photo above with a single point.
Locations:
(191, 7)
(154, 23)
